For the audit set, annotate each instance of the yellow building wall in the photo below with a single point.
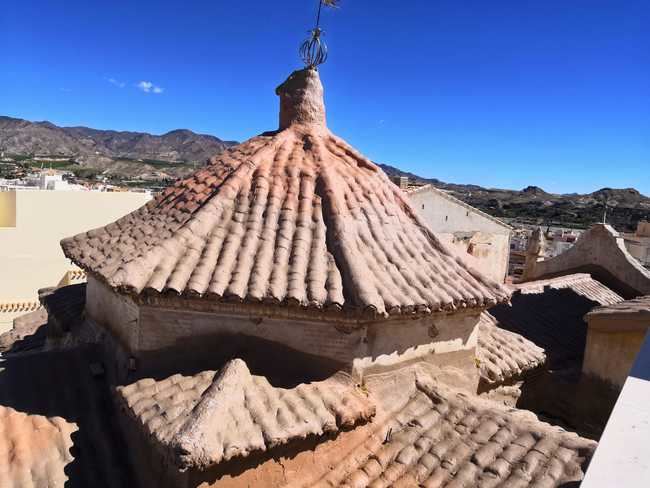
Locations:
(30, 254)
(7, 209)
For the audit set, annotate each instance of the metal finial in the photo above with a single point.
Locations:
(314, 50)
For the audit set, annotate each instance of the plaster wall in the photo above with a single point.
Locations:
(375, 346)
(600, 247)
(643, 229)
(639, 248)
(446, 214)
(485, 252)
(468, 230)
(609, 356)
(30, 254)
(165, 340)
(116, 313)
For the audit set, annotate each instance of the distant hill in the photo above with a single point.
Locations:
(129, 155)
(108, 149)
(626, 206)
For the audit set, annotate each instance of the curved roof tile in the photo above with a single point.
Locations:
(292, 216)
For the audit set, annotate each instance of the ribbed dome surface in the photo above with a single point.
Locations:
(293, 216)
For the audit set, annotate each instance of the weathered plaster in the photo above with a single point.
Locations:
(601, 247)
(609, 356)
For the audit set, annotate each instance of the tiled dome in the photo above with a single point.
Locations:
(295, 216)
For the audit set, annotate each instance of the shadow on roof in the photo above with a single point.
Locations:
(60, 384)
(552, 320)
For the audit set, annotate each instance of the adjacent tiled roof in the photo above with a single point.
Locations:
(504, 355)
(211, 417)
(46, 386)
(28, 332)
(444, 439)
(34, 450)
(550, 313)
(295, 216)
(637, 307)
(581, 283)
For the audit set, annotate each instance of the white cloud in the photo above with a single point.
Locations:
(149, 87)
(119, 84)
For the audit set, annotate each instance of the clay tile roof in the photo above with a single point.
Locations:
(213, 416)
(293, 216)
(441, 438)
(504, 355)
(66, 428)
(550, 313)
(34, 449)
(581, 283)
(637, 307)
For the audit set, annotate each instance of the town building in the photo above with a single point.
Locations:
(638, 244)
(31, 225)
(477, 236)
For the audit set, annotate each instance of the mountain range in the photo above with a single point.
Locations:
(621, 207)
(122, 154)
(108, 149)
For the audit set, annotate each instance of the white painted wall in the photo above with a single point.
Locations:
(30, 254)
(446, 214)
(467, 230)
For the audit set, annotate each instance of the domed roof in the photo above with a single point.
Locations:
(295, 216)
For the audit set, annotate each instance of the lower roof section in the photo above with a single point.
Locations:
(434, 436)
(212, 417)
(550, 313)
(57, 417)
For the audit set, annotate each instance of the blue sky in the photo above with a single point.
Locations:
(554, 93)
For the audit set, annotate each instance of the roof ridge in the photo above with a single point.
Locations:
(199, 437)
(292, 217)
(202, 420)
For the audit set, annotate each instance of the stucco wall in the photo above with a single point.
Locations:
(30, 254)
(486, 252)
(601, 247)
(609, 356)
(168, 339)
(115, 312)
(468, 230)
(177, 333)
(446, 214)
(639, 248)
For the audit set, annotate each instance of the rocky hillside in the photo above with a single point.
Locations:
(625, 207)
(107, 150)
(142, 156)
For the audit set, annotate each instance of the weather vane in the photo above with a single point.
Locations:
(314, 50)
